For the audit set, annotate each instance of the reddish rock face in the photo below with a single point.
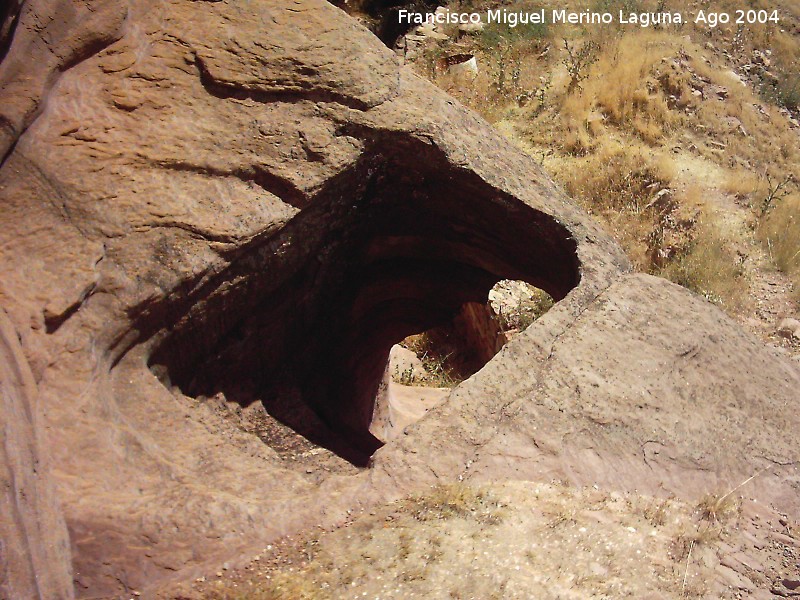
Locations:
(35, 548)
(209, 208)
(250, 202)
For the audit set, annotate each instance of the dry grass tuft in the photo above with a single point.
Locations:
(780, 232)
(710, 265)
(454, 500)
(623, 90)
(745, 185)
(656, 512)
(616, 177)
(618, 183)
(718, 509)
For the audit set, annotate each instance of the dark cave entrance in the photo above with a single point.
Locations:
(382, 16)
(304, 321)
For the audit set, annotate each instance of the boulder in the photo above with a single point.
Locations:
(789, 328)
(405, 366)
(212, 205)
(190, 213)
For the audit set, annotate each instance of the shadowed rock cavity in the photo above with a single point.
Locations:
(383, 15)
(304, 321)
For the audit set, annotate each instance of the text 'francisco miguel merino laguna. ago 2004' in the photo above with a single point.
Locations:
(557, 16)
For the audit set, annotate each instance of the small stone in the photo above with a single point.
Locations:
(789, 328)
(470, 27)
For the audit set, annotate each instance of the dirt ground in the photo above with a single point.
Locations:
(529, 540)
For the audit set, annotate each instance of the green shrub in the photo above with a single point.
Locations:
(499, 34)
(784, 91)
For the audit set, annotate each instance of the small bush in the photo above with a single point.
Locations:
(710, 266)
(779, 231)
(577, 62)
(454, 500)
(783, 91)
(498, 34)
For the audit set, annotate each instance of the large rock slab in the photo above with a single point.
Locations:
(649, 388)
(208, 208)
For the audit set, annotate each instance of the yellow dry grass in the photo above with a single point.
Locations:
(616, 183)
(621, 90)
(607, 109)
(780, 232)
(710, 265)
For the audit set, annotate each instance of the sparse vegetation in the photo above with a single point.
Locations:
(718, 509)
(438, 358)
(656, 512)
(520, 539)
(704, 535)
(620, 115)
(405, 543)
(710, 265)
(497, 35)
(780, 233)
(408, 377)
(454, 500)
(783, 90)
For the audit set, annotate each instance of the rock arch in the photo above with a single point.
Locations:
(393, 246)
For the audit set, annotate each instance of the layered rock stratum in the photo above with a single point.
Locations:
(210, 207)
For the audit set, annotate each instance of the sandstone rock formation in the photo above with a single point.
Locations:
(34, 562)
(210, 208)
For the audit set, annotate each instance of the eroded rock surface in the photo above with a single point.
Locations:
(34, 562)
(210, 208)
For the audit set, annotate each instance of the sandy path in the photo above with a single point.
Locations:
(770, 290)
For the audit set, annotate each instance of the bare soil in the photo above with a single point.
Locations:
(527, 540)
